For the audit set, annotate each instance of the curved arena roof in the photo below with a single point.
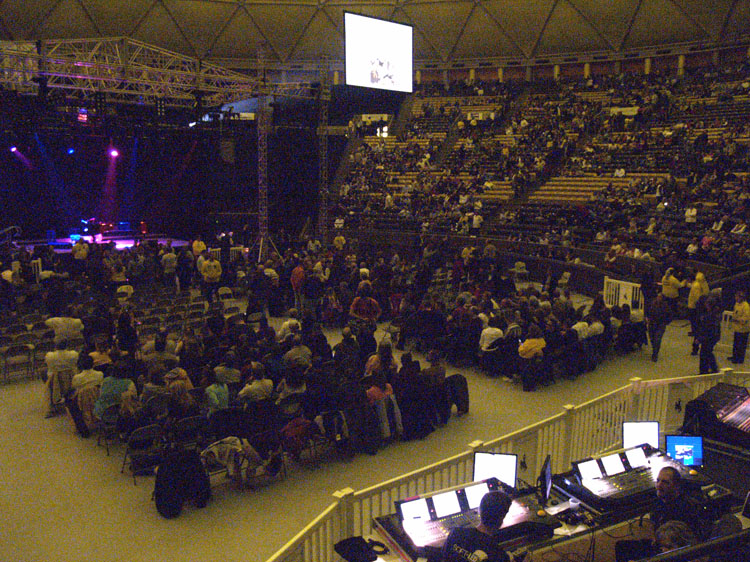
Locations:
(445, 30)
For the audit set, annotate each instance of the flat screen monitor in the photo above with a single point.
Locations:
(589, 470)
(636, 457)
(545, 480)
(638, 433)
(688, 449)
(495, 465)
(378, 53)
(414, 510)
(613, 464)
(446, 503)
(475, 493)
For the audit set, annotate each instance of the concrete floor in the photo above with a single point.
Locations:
(63, 499)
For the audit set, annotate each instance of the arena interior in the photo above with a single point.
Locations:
(206, 232)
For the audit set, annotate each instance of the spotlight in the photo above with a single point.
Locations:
(14, 149)
(114, 153)
(71, 151)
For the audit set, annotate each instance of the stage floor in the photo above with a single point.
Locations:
(64, 245)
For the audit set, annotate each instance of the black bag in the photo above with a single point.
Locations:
(357, 549)
(458, 391)
(181, 476)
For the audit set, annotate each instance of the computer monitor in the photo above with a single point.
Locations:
(495, 465)
(636, 457)
(638, 433)
(588, 469)
(445, 504)
(475, 493)
(413, 510)
(544, 482)
(613, 464)
(688, 449)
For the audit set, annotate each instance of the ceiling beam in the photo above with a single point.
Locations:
(461, 31)
(502, 29)
(43, 19)
(88, 15)
(544, 28)
(692, 20)
(630, 25)
(727, 19)
(301, 35)
(179, 28)
(591, 24)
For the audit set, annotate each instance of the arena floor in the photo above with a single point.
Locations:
(63, 499)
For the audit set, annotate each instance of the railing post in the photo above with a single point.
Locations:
(476, 445)
(568, 421)
(636, 383)
(345, 498)
(726, 374)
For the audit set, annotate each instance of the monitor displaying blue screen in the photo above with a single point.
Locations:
(687, 449)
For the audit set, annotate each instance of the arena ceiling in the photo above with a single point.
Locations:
(445, 30)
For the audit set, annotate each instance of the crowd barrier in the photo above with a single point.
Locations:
(618, 293)
(577, 432)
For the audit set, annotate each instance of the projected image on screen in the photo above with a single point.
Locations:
(378, 53)
(446, 504)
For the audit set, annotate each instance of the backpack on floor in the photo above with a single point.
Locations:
(180, 477)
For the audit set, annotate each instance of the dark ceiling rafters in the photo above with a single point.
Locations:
(446, 31)
(180, 30)
(552, 9)
(591, 24)
(629, 27)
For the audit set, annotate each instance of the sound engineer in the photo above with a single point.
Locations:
(672, 505)
(479, 544)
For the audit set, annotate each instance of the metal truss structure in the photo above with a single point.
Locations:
(130, 71)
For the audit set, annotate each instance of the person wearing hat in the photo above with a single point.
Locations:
(470, 544)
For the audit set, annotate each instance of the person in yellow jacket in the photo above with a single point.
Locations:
(698, 288)
(741, 327)
(670, 288)
(211, 272)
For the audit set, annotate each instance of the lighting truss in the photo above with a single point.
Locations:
(128, 70)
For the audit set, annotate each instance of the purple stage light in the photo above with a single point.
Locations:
(71, 151)
(14, 149)
(114, 153)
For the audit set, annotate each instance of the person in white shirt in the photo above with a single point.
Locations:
(257, 385)
(290, 326)
(65, 327)
(490, 334)
(88, 375)
(61, 365)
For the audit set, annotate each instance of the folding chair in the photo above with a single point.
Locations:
(189, 432)
(18, 355)
(144, 449)
(107, 426)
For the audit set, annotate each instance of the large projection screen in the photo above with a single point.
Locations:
(378, 53)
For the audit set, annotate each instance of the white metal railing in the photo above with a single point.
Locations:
(578, 432)
(315, 542)
(618, 293)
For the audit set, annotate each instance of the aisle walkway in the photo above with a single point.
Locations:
(63, 499)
